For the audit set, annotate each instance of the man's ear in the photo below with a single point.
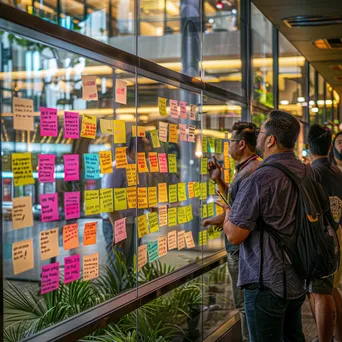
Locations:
(271, 141)
(242, 145)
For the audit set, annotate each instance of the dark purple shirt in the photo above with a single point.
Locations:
(268, 195)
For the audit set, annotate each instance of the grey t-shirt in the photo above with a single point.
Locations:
(268, 195)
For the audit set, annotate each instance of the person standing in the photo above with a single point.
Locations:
(269, 197)
(336, 152)
(242, 149)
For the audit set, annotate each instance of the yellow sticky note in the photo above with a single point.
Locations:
(173, 133)
(22, 256)
(203, 238)
(162, 106)
(142, 165)
(172, 161)
(181, 239)
(162, 245)
(22, 168)
(226, 163)
(142, 226)
(191, 189)
(172, 240)
(204, 211)
(204, 144)
(211, 188)
(153, 160)
(226, 176)
(189, 240)
(142, 256)
(218, 146)
(197, 189)
(90, 266)
(204, 166)
(121, 158)
(142, 198)
(182, 192)
(119, 129)
(89, 126)
(153, 222)
(152, 196)
(211, 209)
(155, 138)
(173, 193)
(106, 126)
(226, 148)
(120, 199)
(204, 191)
(106, 200)
(132, 197)
(162, 213)
(131, 174)
(182, 215)
(162, 193)
(189, 215)
(106, 162)
(219, 210)
(92, 202)
(141, 131)
(211, 145)
(172, 217)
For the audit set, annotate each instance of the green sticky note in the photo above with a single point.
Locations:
(189, 215)
(212, 145)
(204, 144)
(204, 211)
(172, 161)
(172, 217)
(155, 139)
(173, 193)
(182, 192)
(182, 218)
(152, 251)
(204, 191)
(211, 188)
(211, 210)
(120, 199)
(153, 222)
(204, 166)
(218, 146)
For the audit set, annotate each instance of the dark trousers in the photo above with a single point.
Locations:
(273, 319)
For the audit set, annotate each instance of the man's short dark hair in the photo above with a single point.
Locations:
(319, 139)
(246, 131)
(284, 127)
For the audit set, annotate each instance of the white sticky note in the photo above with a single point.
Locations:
(22, 212)
(23, 114)
(121, 92)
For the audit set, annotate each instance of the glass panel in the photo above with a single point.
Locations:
(262, 62)
(329, 103)
(312, 101)
(320, 102)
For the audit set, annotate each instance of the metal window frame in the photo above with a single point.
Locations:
(275, 50)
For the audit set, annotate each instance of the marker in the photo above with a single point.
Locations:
(222, 197)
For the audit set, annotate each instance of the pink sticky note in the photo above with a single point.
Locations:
(49, 207)
(120, 230)
(162, 162)
(71, 268)
(46, 168)
(48, 122)
(71, 125)
(71, 167)
(182, 132)
(50, 278)
(72, 205)
(182, 106)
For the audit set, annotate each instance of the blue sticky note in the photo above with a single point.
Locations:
(92, 166)
(152, 251)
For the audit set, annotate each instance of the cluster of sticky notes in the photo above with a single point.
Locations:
(177, 110)
(169, 132)
(208, 210)
(212, 145)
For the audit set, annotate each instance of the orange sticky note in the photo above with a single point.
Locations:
(142, 165)
(173, 133)
(191, 190)
(172, 239)
(181, 239)
(121, 158)
(162, 245)
(142, 256)
(142, 198)
(226, 176)
(106, 162)
(189, 239)
(141, 131)
(162, 193)
(226, 148)
(153, 159)
(226, 162)
(91, 266)
(132, 197)
(89, 235)
(70, 236)
(152, 196)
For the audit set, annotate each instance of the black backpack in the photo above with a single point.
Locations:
(313, 248)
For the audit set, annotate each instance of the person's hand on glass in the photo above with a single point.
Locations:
(215, 170)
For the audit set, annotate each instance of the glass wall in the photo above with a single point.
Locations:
(312, 95)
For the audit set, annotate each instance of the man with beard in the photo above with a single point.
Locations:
(336, 153)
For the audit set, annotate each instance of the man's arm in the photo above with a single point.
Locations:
(216, 220)
(235, 234)
(215, 172)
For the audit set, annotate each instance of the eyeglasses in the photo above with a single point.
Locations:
(231, 140)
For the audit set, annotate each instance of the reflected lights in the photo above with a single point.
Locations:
(300, 99)
(314, 110)
(284, 102)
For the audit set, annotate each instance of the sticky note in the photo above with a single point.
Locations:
(120, 199)
(191, 133)
(50, 278)
(192, 114)
(90, 266)
(49, 207)
(89, 88)
(132, 197)
(140, 132)
(182, 106)
(204, 211)
(89, 126)
(142, 256)
(181, 239)
(162, 213)
(181, 211)
(71, 125)
(226, 176)
(22, 256)
(211, 142)
(153, 160)
(219, 210)
(106, 162)
(213, 233)
(131, 174)
(152, 196)
(120, 230)
(202, 238)
(204, 144)
(173, 193)
(197, 189)
(172, 217)
(72, 206)
(49, 247)
(182, 132)
(163, 131)
(71, 268)
(191, 190)
(71, 167)
(155, 139)
(23, 114)
(162, 193)
(174, 109)
(91, 166)
(142, 165)
(172, 161)
(204, 192)
(106, 200)
(173, 133)
(106, 126)
(70, 236)
(189, 240)
(46, 168)
(162, 106)
(48, 122)
(226, 149)
(218, 146)
(119, 131)
(90, 233)
(152, 251)
(162, 163)
(22, 216)
(211, 188)
(182, 192)
(142, 198)
(92, 202)
(142, 226)
(211, 209)
(120, 91)
(204, 166)
(22, 168)
(153, 222)
(226, 162)
(162, 245)
(189, 214)
(172, 239)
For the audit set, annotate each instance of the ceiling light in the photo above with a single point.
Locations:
(314, 110)
(284, 102)
(301, 99)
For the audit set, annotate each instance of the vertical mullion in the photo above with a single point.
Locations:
(325, 102)
(275, 55)
(307, 100)
(316, 95)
